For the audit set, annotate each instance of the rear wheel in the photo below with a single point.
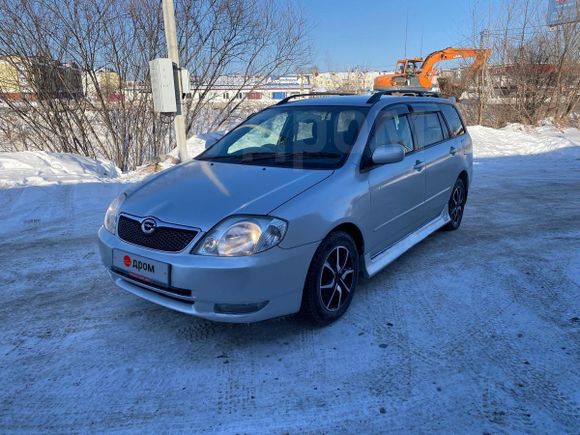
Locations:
(456, 205)
(331, 280)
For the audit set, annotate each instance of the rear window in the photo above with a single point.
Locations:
(427, 128)
(453, 119)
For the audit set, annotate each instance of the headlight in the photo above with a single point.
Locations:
(113, 213)
(242, 235)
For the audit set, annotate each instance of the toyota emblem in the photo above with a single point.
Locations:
(148, 225)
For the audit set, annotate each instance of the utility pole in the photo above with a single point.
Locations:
(173, 54)
(483, 43)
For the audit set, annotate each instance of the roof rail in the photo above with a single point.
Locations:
(403, 92)
(313, 94)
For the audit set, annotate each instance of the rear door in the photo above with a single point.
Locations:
(397, 189)
(439, 150)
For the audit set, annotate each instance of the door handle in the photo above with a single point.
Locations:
(452, 151)
(419, 165)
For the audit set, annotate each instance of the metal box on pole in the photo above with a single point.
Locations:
(163, 86)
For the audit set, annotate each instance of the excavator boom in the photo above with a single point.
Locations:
(424, 76)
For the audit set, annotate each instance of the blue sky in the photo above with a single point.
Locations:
(371, 33)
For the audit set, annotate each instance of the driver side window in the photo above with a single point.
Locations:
(391, 128)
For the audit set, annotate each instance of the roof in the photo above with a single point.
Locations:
(359, 100)
(344, 100)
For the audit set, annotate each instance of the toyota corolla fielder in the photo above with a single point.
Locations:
(285, 212)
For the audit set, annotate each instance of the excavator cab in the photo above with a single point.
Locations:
(406, 70)
(409, 66)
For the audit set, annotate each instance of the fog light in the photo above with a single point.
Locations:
(239, 308)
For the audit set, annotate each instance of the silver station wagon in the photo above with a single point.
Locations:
(288, 210)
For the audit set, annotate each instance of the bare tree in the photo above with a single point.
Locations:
(88, 50)
(253, 39)
(82, 68)
(535, 70)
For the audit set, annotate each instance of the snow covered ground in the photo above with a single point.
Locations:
(472, 331)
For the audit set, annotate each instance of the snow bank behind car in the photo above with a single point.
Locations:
(520, 140)
(35, 168)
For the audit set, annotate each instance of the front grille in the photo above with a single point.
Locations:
(163, 238)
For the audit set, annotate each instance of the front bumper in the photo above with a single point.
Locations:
(272, 281)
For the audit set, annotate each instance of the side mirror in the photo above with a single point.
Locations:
(390, 153)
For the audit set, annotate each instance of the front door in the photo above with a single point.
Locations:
(397, 190)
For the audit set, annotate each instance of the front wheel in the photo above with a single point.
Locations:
(331, 280)
(456, 205)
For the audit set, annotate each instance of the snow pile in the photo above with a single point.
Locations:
(38, 168)
(55, 193)
(33, 168)
(518, 139)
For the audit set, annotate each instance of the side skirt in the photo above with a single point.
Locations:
(375, 264)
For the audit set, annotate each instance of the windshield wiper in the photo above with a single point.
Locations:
(210, 158)
(281, 157)
(312, 154)
(242, 157)
(258, 156)
(287, 157)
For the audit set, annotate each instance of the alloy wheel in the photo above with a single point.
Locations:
(456, 203)
(336, 279)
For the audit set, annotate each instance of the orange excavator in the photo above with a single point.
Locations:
(419, 72)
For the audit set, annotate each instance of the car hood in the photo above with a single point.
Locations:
(200, 193)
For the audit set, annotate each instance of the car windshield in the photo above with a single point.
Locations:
(316, 137)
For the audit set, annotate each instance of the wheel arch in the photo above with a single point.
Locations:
(354, 231)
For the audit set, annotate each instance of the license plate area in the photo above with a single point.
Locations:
(142, 268)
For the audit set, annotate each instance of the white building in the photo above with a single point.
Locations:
(252, 88)
(346, 81)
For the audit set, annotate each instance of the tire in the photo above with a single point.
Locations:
(456, 205)
(324, 299)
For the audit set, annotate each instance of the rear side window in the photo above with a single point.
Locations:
(392, 128)
(453, 119)
(427, 128)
